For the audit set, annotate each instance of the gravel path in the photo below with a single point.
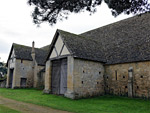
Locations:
(26, 107)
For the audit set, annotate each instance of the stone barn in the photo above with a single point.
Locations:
(25, 65)
(114, 59)
(72, 69)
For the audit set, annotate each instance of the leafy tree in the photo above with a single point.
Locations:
(52, 10)
(3, 69)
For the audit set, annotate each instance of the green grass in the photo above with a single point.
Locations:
(4, 109)
(102, 104)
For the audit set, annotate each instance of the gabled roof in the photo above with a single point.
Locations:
(24, 53)
(80, 46)
(121, 42)
(46, 48)
(124, 41)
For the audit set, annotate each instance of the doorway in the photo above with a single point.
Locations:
(11, 78)
(23, 82)
(59, 76)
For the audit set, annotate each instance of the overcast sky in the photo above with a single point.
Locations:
(16, 25)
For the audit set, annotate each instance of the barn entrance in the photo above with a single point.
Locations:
(11, 77)
(59, 76)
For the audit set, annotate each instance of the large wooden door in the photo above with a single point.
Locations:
(11, 77)
(63, 78)
(55, 76)
(59, 76)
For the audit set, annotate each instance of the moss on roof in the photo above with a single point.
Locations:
(82, 47)
(46, 48)
(24, 52)
(124, 41)
(121, 42)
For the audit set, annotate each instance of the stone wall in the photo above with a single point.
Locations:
(85, 78)
(38, 77)
(26, 69)
(88, 78)
(22, 69)
(41, 83)
(117, 79)
(47, 88)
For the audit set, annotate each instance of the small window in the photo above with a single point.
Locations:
(141, 76)
(97, 82)
(126, 86)
(83, 71)
(124, 77)
(116, 74)
(82, 82)
(99, 72)
(137, 87)
(107, 77)
(21, 61)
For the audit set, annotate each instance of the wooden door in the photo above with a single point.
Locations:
(59, 76)
(55, 76)
(11, 77)
(63, 79)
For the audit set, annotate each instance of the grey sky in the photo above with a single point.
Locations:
(16, 25)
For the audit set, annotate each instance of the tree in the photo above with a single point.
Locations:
(53, 10)
(3, 69)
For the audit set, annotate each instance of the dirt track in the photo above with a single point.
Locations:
(26, 107)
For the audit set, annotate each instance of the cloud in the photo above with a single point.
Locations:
(11, 33)
(4, 48)
(3, 57)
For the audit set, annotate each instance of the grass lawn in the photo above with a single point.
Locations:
(102, 104)
(4, 109)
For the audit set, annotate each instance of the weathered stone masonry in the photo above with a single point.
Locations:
(88, 78)
(47, 88)
(84, 78)
(119, 83)
(26, 66)
(23, 69)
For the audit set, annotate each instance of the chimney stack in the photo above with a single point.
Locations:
(33, 50)
(33, 53)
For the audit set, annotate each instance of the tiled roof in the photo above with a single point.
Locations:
(121, 42)
(124, 41)
(24, 53)
(82, 47)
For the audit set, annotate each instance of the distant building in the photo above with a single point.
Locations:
(25, 65)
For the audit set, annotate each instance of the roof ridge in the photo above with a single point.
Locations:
(139, 15)
(78, 36)
(28, 46)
